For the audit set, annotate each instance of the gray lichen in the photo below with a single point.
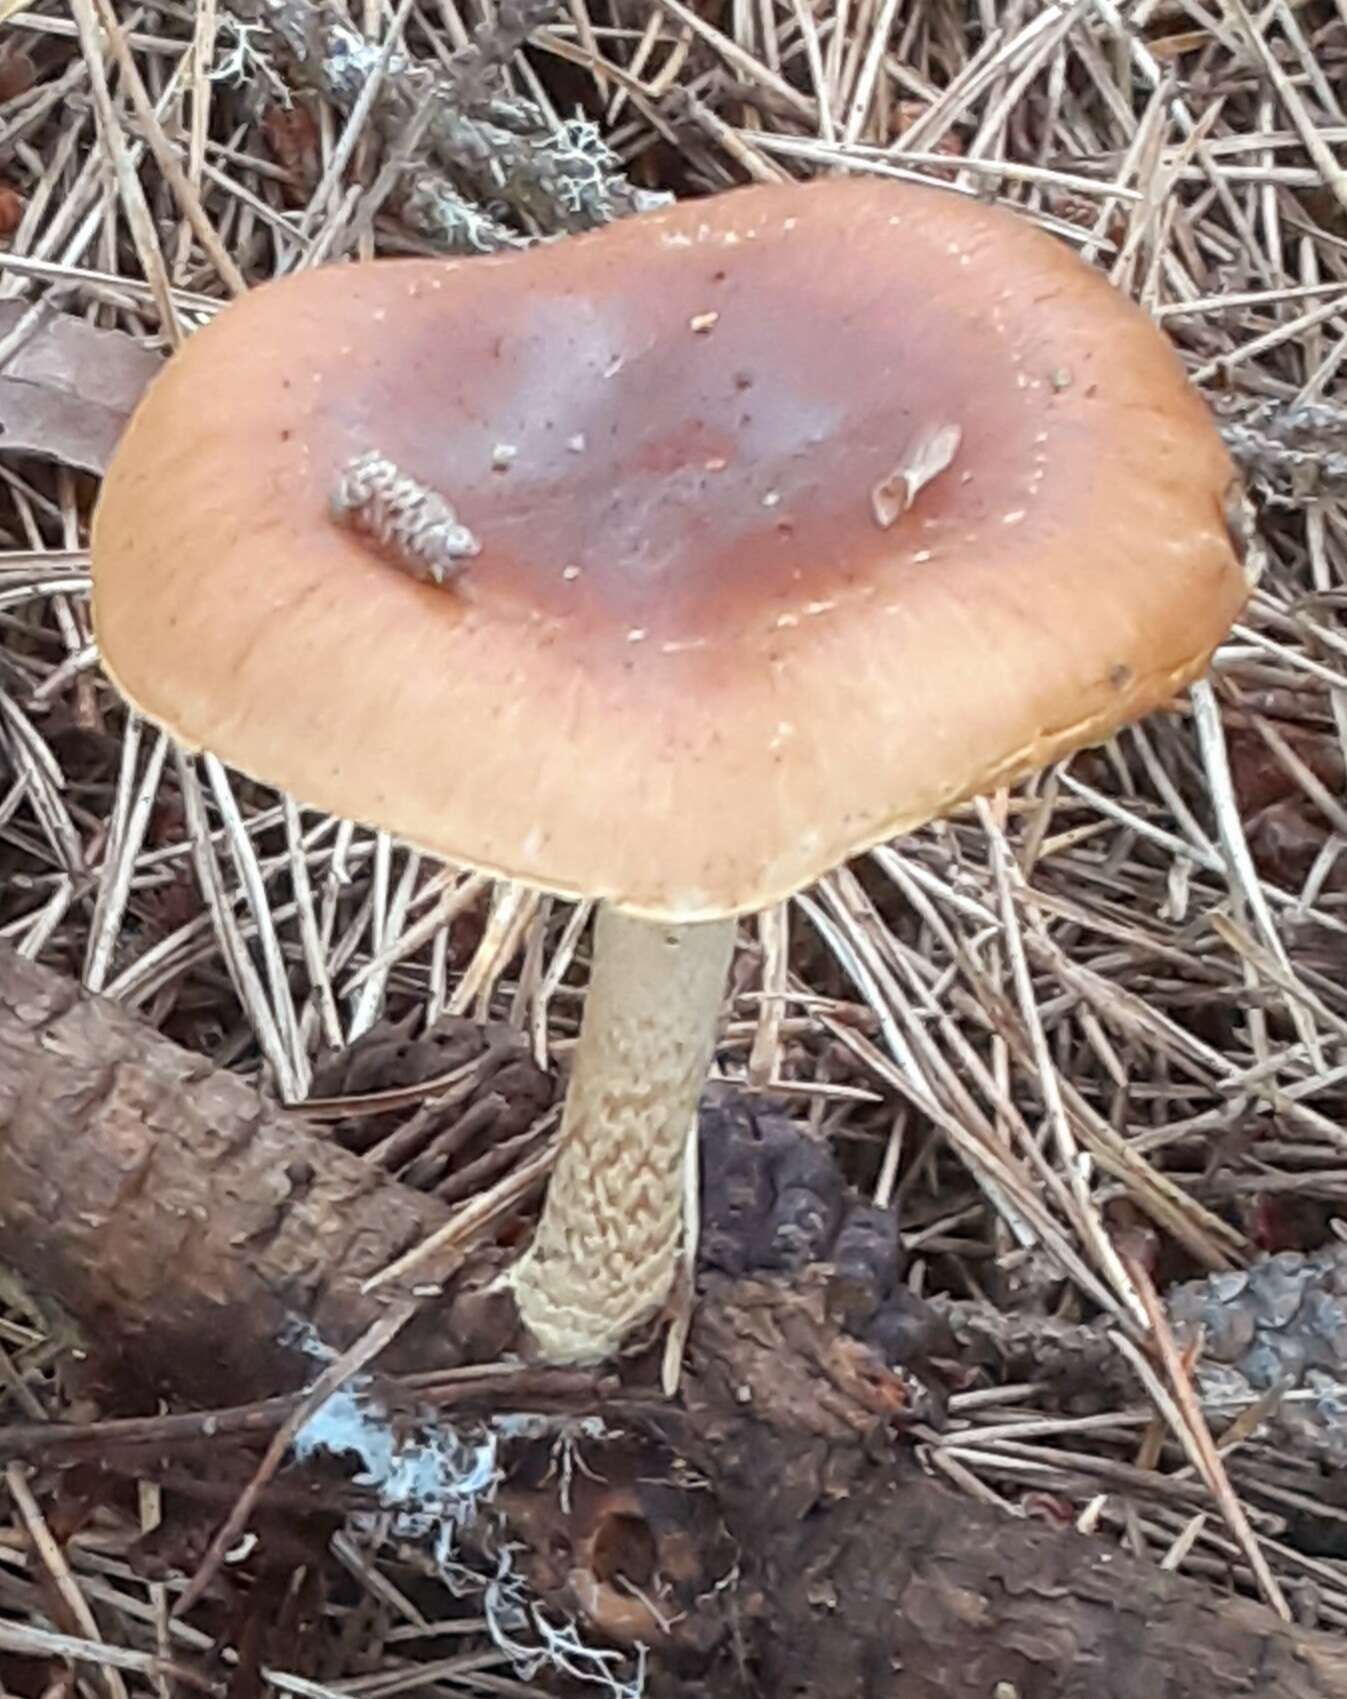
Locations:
(1290, 452)
(499, 171)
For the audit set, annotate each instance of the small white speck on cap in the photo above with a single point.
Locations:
(502, 455)
(790, 224)
(570, 573)
(819, 607)
(1013, 518)
(922, 556)
(784, 731)
(614, 366)
(784, 621)
(637, 634)
(772, 499)
(577, 443)
(379, 313)
(702, 322)
(717, 463)
(675, 239)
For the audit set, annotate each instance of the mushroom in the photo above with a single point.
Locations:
(668, 566)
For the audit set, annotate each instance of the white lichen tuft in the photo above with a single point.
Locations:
(432, 1481)
(242, 59)
(586, 177)
(558, 1647)
(436, 209)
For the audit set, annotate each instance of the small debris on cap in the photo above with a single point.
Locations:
(242, 1550)
(930, 454)
(413, 527)
(702, 322)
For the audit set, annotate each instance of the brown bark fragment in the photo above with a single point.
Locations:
(879, 1584)
(187, 1225)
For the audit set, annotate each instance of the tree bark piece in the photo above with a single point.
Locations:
(879, 1584)
(190, 1228)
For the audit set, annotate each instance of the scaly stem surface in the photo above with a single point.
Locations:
(606, 1250)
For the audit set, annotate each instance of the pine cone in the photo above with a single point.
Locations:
(388, 1056)
(1284, 1321)
(774, 1200)
(490, 1095)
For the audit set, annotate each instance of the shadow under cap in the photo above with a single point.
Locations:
(695, 659)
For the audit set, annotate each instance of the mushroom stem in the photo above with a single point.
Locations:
(606, 1250)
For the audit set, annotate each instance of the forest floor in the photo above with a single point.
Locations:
(1107, 1008)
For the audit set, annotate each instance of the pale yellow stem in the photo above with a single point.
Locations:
(606, 1250)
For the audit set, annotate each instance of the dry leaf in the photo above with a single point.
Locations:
(291, 133)
(69, 390)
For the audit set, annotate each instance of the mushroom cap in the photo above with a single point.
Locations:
(802, 514)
